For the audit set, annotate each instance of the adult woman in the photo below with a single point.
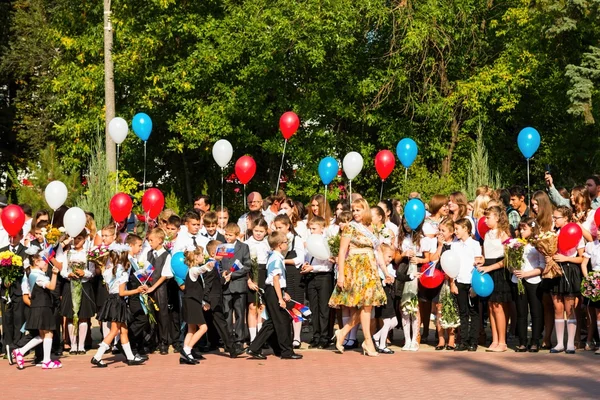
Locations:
(358, 283)
(392, 219)
(438, 207)
(583, 214)
(340, 207)
(457, 206)
(289, 206)
(318, 206)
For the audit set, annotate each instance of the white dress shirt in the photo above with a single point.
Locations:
(592, 251)
(186, 239)
(467, 251)
(531, 259)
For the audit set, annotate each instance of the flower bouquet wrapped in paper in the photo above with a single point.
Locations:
(11, 267)
(547, 244)
(513, 257)
(98, 255)
(590, 286)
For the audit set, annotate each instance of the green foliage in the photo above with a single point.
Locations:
(479, 173)
(173, 202)
(98, 189)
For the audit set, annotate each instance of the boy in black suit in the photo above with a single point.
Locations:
(234, 291)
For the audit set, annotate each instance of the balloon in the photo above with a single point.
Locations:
(55, 194)
(328, 168)
(451, 263)
(74, 221)
(178, 266)
(288, 124)
(317, 247)
(153, 202)
(245, 168)
(431, 282)
(118, 129)
(482, 284)
(222, 152)
(352, 164)
(384, 163)
(13, 219)
(414, 213)
(569, 236)
(120, 206)
(528, 141)
(482, 227)
(407, 151)
(142, 126)
(597, 217)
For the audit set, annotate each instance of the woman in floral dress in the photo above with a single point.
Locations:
(358, 283)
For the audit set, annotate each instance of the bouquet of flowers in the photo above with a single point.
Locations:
(590, 286)
(254, 275)
(168, 244)
(547, 244)
(513, 257)
(411, 306)
(52, 234)
(11, 267)
(98, 255)
(334, 245)
(449, 316)
(76, 292)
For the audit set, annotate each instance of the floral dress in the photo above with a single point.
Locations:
(362, 285)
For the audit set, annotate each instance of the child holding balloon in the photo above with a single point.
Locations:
(567, 287)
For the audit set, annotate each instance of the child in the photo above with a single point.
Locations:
(294, 260)
(190, 236)
(193, 303)
(235, 291)
(531, 299)
(468, 303)
(210, 227)
(114, 310)
(276, 329)
(259, 249)
(387, 312)
(591, 257)
(41, 317)
(138, 320)
(160, 258)
(222, 219)
(319, 285)
(78, 302)
(39, 351)
(109, 235)
(172, 230)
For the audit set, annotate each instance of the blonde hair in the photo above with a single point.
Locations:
(503, 225)
(366, 213)
(480, 205)
(190, 256)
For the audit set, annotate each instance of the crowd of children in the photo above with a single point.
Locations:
(253, 284)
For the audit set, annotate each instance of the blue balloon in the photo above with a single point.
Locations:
(178, 265)
(414, 213)
(407, 151)
(528, 141)
(142, 126)
(328, 169)
(482, 283)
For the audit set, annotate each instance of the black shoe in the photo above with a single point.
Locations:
(81, 352)
(196, 355)
(141, 356)
(521, 349)
(534, 349)
(350, 346)
(569, 351)
(473, 348)
(37, 361)
(297, 344)
(204, 349)
(258, 356)
(313, 344)
(8, 355)
(461, 347)
(438, 348)
(135, 361)
(98, 363)
(235, 353)
(188, 361)
(164, 350)
(116, 350)
(72, 352)
(324, 344)
(555, 351)
(293, 356)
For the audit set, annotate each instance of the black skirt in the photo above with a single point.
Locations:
(87, 309)
(593, 304)
(101, 292)
(262, 276)
(502, 292)
(569, 284)
(41, 318)
(192, 312)
(294, 284)
(114, 309)
(387, 310)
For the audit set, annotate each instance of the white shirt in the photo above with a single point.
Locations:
(589, 224)
(269, 215)
(393, 227)
(318, 264)
(302, 230)
(195, 272)
(592, 251)
(275, 267)
(531, 259)
(41, 279)
(242, 224)
(390, 270)
(113, 282)
(72, 256)
(25, 285)
(467, 251)
(26, 229)
(185, 240)
(298, 246)
(260, 249)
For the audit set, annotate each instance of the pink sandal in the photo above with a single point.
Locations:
(52, 365)
(18, 358)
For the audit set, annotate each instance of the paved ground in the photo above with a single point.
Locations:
(323, 374)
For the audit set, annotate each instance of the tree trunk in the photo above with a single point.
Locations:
(109, 88)
(447, 161)
(188, 184)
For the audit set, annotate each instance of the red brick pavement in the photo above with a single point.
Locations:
(321, 374)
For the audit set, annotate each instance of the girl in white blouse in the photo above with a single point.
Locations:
(591, 262)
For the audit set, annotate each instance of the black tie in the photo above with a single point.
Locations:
(13, 249)
(194, 240)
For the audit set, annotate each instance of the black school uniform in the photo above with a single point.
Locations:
(160, 296)
(12, 306)
(193, 296)
(138, 317)
(41, 316)
(213, 295)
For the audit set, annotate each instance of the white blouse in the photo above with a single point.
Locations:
(592, 251)
(114, 281)
(531, 259)
(492, 245)
(260, 248)
(72, 256)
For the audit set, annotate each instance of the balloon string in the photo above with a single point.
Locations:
(381, 191)
(145, 166)
(222, 189)
(117, 173)
(350, 197)
(52, 220)
(281, 167)
(244, 196)
(528, 189)
(405, 174)
(325, 194)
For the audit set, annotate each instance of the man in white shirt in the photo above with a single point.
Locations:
(273, 210)
(255, 202)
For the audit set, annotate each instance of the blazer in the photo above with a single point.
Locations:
(239, 278)
(15, 291)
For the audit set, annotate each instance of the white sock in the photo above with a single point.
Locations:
(297, 330)
(82, 334)
(101, 350)
(559, 328)
(415, 328)
(127, 350)
(71, 329)
(47, 349)
(187, 350)
(258, 327)
(30, 345)
(105, 329)
(406, 328)
(571, 332)
(117, 338)
(252, 334)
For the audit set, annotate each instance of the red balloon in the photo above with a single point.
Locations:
(569, 237)
(120, 206)
(245, 168)
(431, 282)
(153, 202)
(13, 219)
(288, 124)
(482, 227)
(384, 163)
(597, 217)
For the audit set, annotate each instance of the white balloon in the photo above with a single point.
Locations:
(74, 221)
(55, 194)
(118, 129)
(352, 164)
(222, 152)
(317, 247)
(451, 263)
